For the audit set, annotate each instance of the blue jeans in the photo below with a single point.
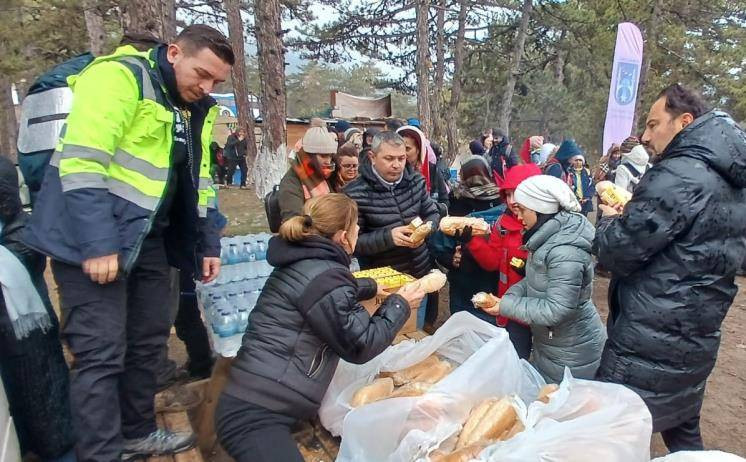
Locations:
(421, 313)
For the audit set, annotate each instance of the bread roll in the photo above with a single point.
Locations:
(411, 373)
(379, 389)
(499, 417)
(477, 414)
(512, 431)
(436, 373)
(411, 389)
(432, 281)
(449, 225)
(416, 223)
(483, 300)
(545, 391)
(464, 454)
(612, 194)
(421, 232)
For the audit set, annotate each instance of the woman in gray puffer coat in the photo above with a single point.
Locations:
(555, 296)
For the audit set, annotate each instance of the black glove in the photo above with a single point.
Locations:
(463, 236)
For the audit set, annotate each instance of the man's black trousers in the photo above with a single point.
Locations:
(116, 333)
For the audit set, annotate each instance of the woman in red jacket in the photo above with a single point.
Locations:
(503, 252)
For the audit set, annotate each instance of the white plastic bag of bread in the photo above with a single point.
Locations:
(431, 365)
(496, 408)
(449, 225)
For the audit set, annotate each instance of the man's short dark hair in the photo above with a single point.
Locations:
(393, 124)
(198, 36)
(680, 100)
(388, 137)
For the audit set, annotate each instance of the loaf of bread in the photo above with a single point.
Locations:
(464, 454)
(512, 431)
(410, 389)
(421, 232)
(380, 388)
(484, 301)
(612, 194)
(435, 373)
(416, 223)
(411, 373)
(432, 281)
(545, 391)
(449, 225)
(499, 417)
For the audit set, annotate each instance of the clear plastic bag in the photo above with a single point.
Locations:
(583, 421)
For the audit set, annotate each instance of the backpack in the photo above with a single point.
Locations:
(43, 114)
(272, 209)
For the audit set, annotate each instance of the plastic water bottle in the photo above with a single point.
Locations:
(223, 254)
(242, 320)
(233, 255)
(260, 250)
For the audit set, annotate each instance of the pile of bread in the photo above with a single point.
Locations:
(490, 421)
(413, 381)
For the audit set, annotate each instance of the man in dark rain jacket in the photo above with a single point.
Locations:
(673, 254)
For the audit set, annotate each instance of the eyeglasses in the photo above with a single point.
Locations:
(349, 166)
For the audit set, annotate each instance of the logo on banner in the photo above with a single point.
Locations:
(625, 84)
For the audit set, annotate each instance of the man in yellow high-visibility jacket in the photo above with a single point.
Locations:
(128, 194)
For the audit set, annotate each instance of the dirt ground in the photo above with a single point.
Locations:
(723, 421)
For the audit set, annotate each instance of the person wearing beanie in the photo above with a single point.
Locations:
(634, 165)
(581, 183)
(502, 156)
(475, 149)
(415, 122)
(503, 252)
(547, 150)
(341, 126)
(555, 296)
(354, 137)
(311, 165)
(560, 163)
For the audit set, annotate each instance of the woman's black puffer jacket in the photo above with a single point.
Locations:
(382, 208)
(306, 318)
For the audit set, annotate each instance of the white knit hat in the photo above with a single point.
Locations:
(577, 156)
(546, 194)
(318, 140)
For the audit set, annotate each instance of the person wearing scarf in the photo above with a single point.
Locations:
(311, 166)
(346, 167)
(421, 157)
(476, 190)
(555, 296)
(32, 367)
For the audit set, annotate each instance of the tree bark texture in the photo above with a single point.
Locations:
(94, 24)
(650, 39)
(423, 66)
(156, 18)
(272, 159)
(240, 89)
(8, 122)
(515, 65)
(458, 61)
(437, 101)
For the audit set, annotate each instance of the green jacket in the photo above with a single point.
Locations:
(108, 175)
(555, 299)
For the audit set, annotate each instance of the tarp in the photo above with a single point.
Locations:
(348, 106)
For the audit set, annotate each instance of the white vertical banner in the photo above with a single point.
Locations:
(625, 76)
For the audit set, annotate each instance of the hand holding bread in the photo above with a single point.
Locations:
(612, 195)
(487, 303)
(451, 225)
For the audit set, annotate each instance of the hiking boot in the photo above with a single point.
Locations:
(160, 442)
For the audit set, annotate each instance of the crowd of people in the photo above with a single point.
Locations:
(119, 208)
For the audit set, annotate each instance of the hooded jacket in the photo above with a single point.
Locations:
(555, 299)
(673, 255)
(434, 179)
(557, 167)
(633, 166)
(306, 318)
(382, 208)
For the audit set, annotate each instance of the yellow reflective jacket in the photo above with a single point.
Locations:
(113, 163)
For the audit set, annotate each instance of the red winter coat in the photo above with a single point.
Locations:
(505, 241)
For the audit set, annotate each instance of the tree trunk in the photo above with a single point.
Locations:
(240, 89)
(94, 24)
(156, 18)
(271, 161)
(458, 61)
(515, 65)
(423, 66)
(437, 101)
(650, 38)
(559, 61)
(8, 123)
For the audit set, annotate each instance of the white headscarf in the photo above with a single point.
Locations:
(546, 150)
(546, 194)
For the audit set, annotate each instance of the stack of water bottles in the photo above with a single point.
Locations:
(228, 300)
